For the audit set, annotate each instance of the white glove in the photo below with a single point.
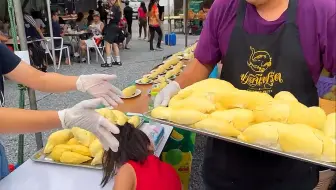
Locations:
(162, 99)
(83, 115)
(99, 86)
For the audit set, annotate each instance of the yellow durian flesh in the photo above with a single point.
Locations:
(134, 120)
(264, 134)
(73, 158)
(330, 126)
(58, 151)
(98, 159)
(217, 126)
(285, 96)
(299, 113)
(240, 118)
(273, 111)
(83, 137)
(316, 117)
(80, 149)
(203, 105)
(145, 80)
(72, 141)
(161, 113)
(169, 74)
(129, 91)
(255, 99)
(329, 150)
(186, 117)
(56, 138)
(301, 140)
(121, 118)
(95, 147)
(108, 114)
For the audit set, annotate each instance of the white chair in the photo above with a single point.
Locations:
(60, 49)
(90, 43)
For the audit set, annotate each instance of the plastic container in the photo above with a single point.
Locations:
(170, 39)
(151, 100)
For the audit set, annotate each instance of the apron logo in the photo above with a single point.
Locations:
(261, 78)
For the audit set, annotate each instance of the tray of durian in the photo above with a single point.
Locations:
(78, 147)
(279, 124)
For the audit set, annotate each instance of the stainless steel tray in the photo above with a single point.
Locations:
(236, 141)
(39, 156)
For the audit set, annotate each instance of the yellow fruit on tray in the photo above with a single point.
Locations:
(129, 91)
(186, 117)
(161, 113)
(56, 138)
(58, 151)
(285, 96)
(301, 140)
(120, 116)
(329, 150)
(317, 117)
(330, 126)
(274, 111)
(169, 74)
(240, 118)
(72, 141)
(108, 114)
(217, 126)
(264, 134)
(98, 159)
(134, 120)
(83, 137)
(144, 80)
(73, 158)
(80, 149)
(203, 105)
(95, 147)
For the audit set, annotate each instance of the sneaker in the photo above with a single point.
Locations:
(159, 49)
(151, 49)
(139, 38)
(76, 54)
(83, 60)
(127, 48)
(144, 38)
(106, 65)
(117, 63)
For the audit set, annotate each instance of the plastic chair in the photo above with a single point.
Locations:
(90, 43)
(60, 49)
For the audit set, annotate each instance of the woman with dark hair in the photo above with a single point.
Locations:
(142, 14)
(154, 24)
(81, 22)
(113, 34)
(134, 166)
(90, 17)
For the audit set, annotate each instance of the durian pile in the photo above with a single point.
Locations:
(78, 146)
(168, 70)
(280, 122)
(188, 53)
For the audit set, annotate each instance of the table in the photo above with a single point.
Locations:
(42, 176)
(11, 42)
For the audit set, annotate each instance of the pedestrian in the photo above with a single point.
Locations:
(142, 17)
(257, 40)
(102, 12)
(154, 24)
(128, 14)
(113, 34)
(83, 114)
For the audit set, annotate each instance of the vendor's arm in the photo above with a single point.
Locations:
(125, 178)
(207, 53)
(328, 46)
(27, 121)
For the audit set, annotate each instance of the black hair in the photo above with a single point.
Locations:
(127, 2)
(143, 6)
(91, 12)
(53, 13)
(133, 145)
(150, 5)
(80, 17)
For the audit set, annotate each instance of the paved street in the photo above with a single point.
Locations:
(136, 62)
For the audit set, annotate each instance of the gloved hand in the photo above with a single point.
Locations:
(162, 99)
(83, 115)
(99, 86)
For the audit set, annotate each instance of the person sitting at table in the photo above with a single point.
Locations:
(134, 165)
(90, 17)
(97, 27)
(81, 22)
(60, 19)
(57, 32)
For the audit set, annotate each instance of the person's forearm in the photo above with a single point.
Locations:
(194, 72)
(54, 82)
(3, 38)
(27, 121)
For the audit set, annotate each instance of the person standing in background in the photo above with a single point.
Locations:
(154, 24)
(142, 15)
(128, 14)
(102, 12)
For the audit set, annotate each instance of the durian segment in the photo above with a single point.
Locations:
(134, 120)
(203, 105)
(285, 96)
(161, 113)
(58, 151)
(73, 158)
(273, 111)
(186, 117)
(80, 149)
(72, 141)
(84, 137)
(56, 138)
(330, 126)
(121, 118)
(95, 147)
(98, 159)
(217, 126)
(129, 91)
(316, 118)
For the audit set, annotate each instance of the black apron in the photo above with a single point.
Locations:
(267, 63)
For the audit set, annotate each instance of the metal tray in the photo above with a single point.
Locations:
(236, 141)
(39, 156)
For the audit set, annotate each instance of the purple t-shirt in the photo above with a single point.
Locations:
(316, 20)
